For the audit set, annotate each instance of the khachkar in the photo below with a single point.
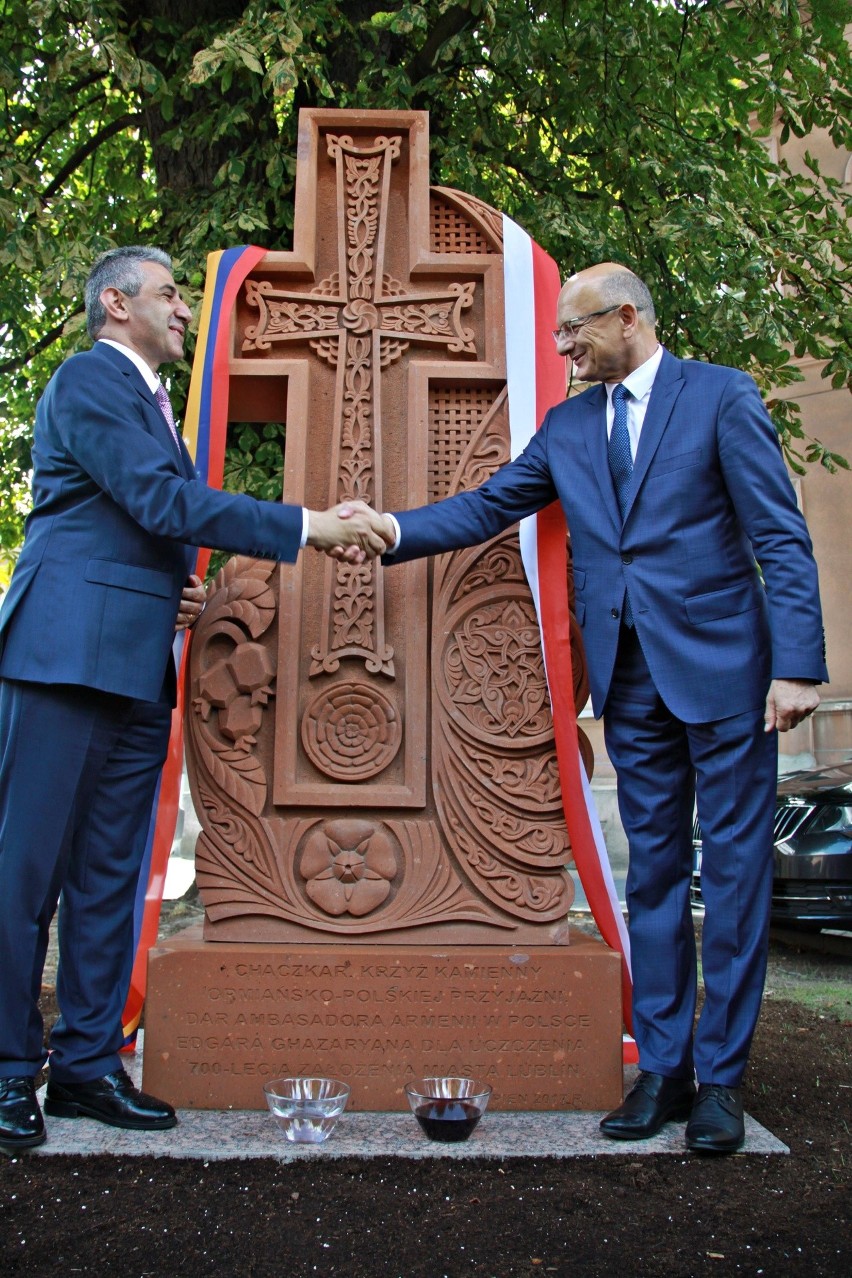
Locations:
(371, 751)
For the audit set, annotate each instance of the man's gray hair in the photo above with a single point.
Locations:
(624, 286)
(119, 268)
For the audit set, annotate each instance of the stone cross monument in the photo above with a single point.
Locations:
(383, 851)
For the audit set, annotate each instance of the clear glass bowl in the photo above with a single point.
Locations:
(306, 1109)
(448, 1108)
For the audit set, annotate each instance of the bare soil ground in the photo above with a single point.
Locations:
(620, 1215)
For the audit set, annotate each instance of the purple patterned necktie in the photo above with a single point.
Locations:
(162, 397)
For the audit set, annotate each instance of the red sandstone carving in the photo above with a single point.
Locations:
(371, 752)
(348, 867)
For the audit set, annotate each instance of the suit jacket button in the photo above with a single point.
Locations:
(627, 559)
(615, 613)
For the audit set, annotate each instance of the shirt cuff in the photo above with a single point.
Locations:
(306, 523)
(391, 550)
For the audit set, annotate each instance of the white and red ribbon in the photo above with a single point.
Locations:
(536, 381)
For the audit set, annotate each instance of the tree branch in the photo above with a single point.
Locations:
(64, 123)
(115, 126)
(449, 24)
(12, 365)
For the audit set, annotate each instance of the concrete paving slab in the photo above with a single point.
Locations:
(211, 1135)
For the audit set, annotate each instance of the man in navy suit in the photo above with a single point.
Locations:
(697, 593)
(87, 683)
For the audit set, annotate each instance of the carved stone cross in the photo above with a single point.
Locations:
(371, 751)
(359, 320)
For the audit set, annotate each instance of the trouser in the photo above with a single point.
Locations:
(663, 767)
(78, 773)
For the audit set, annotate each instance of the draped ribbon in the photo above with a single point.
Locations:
(204, 430)
(536, 381)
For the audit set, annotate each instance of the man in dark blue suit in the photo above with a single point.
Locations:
(697, 593)
(87, 683)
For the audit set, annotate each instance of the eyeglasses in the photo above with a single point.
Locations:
(572, 327)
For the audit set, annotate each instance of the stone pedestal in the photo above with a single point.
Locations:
(541, 1024)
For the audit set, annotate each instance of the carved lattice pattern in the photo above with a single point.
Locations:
(452, 232)
(455, 412)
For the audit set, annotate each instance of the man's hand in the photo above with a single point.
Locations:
(192, 600)
(788, 702)
(351, 532)
(388, 529)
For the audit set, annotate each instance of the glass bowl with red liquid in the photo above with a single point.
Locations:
(448, 1108)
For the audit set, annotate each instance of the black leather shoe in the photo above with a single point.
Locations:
(716, 1125)
(21, 1123)
(112, 1099)
(652, 1101)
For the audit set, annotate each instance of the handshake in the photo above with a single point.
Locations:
(351, 532)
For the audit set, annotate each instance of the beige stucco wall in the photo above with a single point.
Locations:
(827, 503)
(826, 500)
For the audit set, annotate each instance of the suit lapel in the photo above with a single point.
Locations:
(667, 386)
(138, 384)
(186, 466)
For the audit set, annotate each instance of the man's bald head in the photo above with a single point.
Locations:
(615, 284)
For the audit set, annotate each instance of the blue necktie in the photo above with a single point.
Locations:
(621, 464)
(620, 461)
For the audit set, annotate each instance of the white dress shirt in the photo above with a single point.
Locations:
(152, 381)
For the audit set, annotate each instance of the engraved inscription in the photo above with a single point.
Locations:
(516, 1020)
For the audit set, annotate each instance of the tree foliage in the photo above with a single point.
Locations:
(626, 129)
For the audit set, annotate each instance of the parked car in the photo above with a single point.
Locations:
(812, 882)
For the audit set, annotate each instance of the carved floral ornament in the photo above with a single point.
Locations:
(238, 687)
(495, 671)
(351, 731)
(234, 673)
(288, 316)
(348, 867)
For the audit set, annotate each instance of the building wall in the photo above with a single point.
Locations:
(826, 500)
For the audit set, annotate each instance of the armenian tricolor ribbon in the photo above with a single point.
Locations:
(204, 432)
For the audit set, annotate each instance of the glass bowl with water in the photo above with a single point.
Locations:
(306, 1109)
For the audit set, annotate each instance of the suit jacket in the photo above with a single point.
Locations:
(109, 544)
(714, 550)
